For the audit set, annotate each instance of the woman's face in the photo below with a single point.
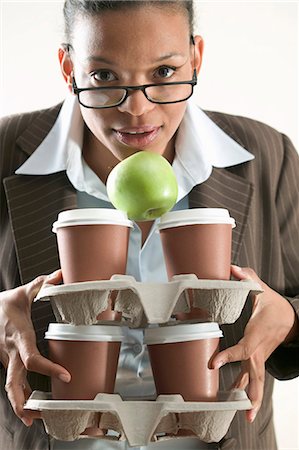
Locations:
(133, 47)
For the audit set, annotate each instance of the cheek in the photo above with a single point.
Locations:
(97, 122)
(174, 114)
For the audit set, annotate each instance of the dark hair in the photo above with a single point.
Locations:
(92, 7)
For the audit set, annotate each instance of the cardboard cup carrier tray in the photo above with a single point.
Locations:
(139, 421)
(142, 421)
(148, 303)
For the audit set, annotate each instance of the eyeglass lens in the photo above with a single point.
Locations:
(158, 94)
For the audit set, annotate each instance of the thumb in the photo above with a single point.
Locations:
(244, 273)
(238, 352)
(55, 277)
(35, 285)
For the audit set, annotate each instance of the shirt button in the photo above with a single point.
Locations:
(137, 348)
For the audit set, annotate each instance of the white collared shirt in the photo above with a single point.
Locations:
(200, 145)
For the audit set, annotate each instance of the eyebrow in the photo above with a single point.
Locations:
(101, 59)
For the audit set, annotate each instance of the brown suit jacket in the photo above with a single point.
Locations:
(262, 195)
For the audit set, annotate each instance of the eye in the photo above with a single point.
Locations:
(165, 72)
(103, 75)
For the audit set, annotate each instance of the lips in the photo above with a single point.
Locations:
(139, 137)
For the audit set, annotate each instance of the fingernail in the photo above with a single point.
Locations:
(219, 364)
(252, 415)
(64, 377)
(237, 268)
(53, 274)
(26, 421)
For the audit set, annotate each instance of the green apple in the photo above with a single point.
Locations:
(143, 185)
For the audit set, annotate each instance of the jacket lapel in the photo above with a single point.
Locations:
(225, 189)
(38, 129)
(34, 203)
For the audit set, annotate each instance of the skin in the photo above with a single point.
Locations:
(18, 351)
(153, 67)
(273, 320)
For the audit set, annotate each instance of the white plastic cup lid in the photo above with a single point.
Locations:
(91, 216)
(196, 216)
(182, 333)
(100, 333)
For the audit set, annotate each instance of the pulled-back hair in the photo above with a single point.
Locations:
(73, 8)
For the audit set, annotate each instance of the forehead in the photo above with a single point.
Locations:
(144, 32)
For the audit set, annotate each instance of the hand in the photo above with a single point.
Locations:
(272, 322)
(18, 350)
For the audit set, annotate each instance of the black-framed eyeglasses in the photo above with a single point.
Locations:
(111, 96)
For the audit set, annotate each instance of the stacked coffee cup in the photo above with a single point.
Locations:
(195, 241)
(93, 245)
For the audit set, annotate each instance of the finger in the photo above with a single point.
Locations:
(256, 388)
(31, 289)
(27, 390)
(35, 362)
(35, 285)
(15, 382)
(241, 381)
(239, 352)
(30, 414)
(55, 277)
(244, 273)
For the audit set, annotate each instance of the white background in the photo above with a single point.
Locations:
(250, 68)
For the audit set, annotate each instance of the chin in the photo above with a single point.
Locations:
(124, 153)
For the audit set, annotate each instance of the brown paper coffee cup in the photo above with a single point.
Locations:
(92, 245)
(89, 353)
(197, 241)
(180, 356)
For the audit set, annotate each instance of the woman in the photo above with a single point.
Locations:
(62, 158)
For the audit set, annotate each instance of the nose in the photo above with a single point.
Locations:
(136, 104)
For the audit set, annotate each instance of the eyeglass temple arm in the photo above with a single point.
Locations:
(194, 77)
